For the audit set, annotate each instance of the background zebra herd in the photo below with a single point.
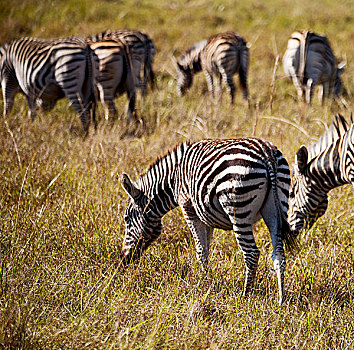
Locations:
(237, 181)
(115, 62)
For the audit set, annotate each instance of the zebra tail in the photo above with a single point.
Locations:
(91, 74)
(287, 235)
(243, 70)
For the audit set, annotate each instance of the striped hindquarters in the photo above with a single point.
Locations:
(237, 173)
(46, 70)
(226, 54)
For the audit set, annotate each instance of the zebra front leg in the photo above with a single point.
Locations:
(131, 106)
(201, 233)
(9, 88)
(325, 92)
(210, 82)
(310, 85)
(251, 255)
(32, 108)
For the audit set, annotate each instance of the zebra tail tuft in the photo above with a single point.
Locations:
(289, 236)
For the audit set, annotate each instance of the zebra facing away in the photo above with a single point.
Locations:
(309, 61)
(141, 53)
(113, 73)
(323, 166)
(227, 184)
(47, 70)
(220, 57)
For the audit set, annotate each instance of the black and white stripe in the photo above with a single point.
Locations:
(113, 73)
(309, 61)
(327, 164)
(220, 57)
(227, 184)
(141, 52)
(47, 70)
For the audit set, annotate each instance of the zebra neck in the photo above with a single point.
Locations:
(325, 168)
(160, 180)
(191, 61)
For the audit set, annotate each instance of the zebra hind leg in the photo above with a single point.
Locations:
(251, 255)
(230, 85)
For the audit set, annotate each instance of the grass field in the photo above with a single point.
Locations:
(61, 205)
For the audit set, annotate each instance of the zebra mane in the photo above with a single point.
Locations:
(172, 157)
(192, 54)
(336, 130)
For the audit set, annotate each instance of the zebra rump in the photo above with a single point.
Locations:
(45, 70)
(318, 169)
(220, 57)
(226, 184)
(113, 73)
(141, 53)
(309, 61)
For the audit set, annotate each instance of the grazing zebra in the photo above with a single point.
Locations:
(220, 57)
(309, 61)
(113, 73)
(227, 184)
(47, 70)
(323, 166)
(141, 53)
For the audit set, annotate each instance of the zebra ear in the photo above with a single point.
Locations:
(301, 158)
(129, 187)
(176, 64)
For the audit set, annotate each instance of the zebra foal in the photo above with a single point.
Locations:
(226, 184)
(220, 57)
(47, 70)
(113, 73)
(309, 61)
(326, 164)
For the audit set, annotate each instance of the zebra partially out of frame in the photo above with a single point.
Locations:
(227, 184)
(309, 61)
(318, 169)
(47, 70)
(220, 57)
(113, 73)
(141, 52)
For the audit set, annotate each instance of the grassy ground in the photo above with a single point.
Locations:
(61, 206)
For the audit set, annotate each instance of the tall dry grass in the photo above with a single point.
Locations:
(61, 211)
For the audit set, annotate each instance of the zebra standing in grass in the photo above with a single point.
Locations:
(220, 57)
(141, 53)
(47, 70)
(226, 184)
(113, 73)
(327, 164)
(309, 61)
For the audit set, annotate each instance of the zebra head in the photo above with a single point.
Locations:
(306, 202)
(184, 78)
(338, 85)
(143, 226)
